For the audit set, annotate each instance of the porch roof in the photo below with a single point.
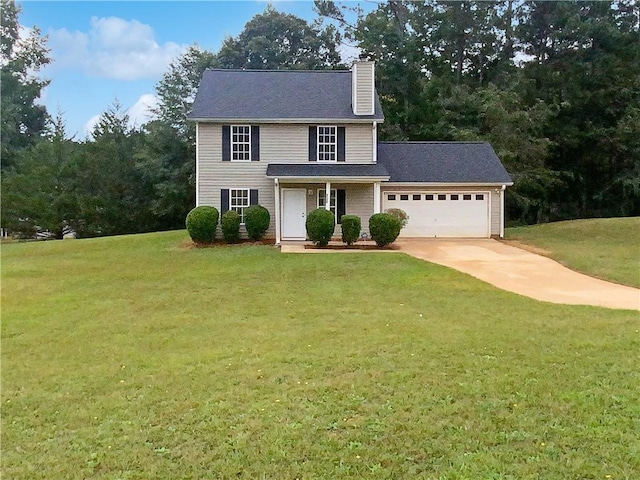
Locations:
(331, 171)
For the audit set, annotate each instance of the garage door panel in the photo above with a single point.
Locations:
(450, 214)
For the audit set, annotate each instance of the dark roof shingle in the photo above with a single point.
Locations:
(326, 170)
(277, 94)
(442, 162)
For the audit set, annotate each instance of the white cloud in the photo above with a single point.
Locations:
(114, 48)
(24, 32)
(90, 125)
(348, 53)
(140, 112)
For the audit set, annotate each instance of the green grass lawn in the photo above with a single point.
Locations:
(135, 358)
(607, 248)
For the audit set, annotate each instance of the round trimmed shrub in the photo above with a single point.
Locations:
(256, 221)
(201, 224)
(230, 223)
(320, 226)
(400, 215)
(350, 228)
(384, 228)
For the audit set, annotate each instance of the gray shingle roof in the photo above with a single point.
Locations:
(326, 170)
(442, 162)
(277, 94)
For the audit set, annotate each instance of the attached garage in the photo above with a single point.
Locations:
(448, 189)
(442, 214)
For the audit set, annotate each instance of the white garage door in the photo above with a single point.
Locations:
(442, 214)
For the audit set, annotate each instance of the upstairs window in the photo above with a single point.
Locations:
(241, 143)
(327, 143)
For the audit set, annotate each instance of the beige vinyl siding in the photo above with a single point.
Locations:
(214, 174)
(362, 90)
(247, 175)
(494, 198)
(287, 143)
(290, 143)
(209, 152)
(359, 143)
(495, 212)
(284, 143)
(278, 144)
(359, 199)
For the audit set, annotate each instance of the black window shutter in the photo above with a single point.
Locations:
(226, 143)
(341, 204)
(313, 144)
(224, 200)
(253, 197)
(255, 143)
(341, 147)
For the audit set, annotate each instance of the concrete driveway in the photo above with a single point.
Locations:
(520, 271)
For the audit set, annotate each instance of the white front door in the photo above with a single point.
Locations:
(294, 212)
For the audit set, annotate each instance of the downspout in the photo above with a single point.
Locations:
(504, 187)
(374, 142)
(197, 164)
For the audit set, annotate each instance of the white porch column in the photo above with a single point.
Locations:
(327, 196)
(276, 188)
(376, 197)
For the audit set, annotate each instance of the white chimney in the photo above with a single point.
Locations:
(362, 88)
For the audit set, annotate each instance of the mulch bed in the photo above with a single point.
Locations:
(188, 243)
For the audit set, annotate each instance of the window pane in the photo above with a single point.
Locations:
(466, 197)
(321, 199)
(391, 197)
(326, 144)
(417, 197)
(241, 142)
(454, 197)
(428, 197)
(442, 197)
(404, 197)
(479, 197)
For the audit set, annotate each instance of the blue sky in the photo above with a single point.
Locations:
(101, 51)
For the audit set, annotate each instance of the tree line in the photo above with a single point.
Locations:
(553, 86)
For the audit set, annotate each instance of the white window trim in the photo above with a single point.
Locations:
(335, 143)
(333, 207)
(233, 206)
(239, 143)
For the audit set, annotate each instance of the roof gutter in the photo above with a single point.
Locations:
(312, 121)
(448, 184)
(374, 146)
(283, 179)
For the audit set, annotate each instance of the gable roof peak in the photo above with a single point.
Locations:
(288, 95)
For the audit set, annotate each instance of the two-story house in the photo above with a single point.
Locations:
(294, 141)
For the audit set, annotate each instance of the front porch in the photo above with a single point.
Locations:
(342, 189)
